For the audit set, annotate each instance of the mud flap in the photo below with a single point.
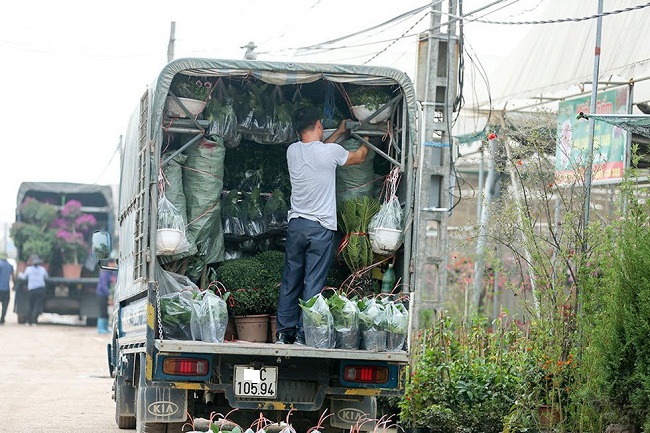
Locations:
(160, 404)
(124, 397)
(347, 413)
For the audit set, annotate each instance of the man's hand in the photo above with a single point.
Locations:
(341, 130)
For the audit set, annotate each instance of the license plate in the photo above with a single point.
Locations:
(256, 382)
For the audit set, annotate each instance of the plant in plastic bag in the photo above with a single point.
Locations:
(176, 314)
(397, 325)
(373, 323)
(209, 317)
(385, 227)
(232, 215)
(275, 210)
(255, 223)
(223, 123)
(222, 118)
(171, 237)
(318, 323)
(345, 315)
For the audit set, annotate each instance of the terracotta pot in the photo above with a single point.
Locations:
(71, 270)
(549, 416)
(231, 330)
(253, 328)
(273, 329)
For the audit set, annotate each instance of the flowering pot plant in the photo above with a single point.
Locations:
(73, 228)
(193, 88)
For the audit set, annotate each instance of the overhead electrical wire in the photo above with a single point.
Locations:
(558, 20)
(405, 15)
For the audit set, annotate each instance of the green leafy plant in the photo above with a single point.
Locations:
(273, 262)
(354, 216)
(192, 87)
(245, 279)
(32, 232)
(372, 97)
(464, 377)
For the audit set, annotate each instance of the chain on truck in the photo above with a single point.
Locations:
(228, 149)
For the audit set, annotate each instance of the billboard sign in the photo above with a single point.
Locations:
(572, 150)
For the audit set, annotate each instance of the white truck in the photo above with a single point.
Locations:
(161, 383)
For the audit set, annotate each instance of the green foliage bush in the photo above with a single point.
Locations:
(246, 279)
(617, 320)
(464, 377)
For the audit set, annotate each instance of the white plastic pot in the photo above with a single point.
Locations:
(194, 106)
(361, 112)
(385, 241)
(168, 241)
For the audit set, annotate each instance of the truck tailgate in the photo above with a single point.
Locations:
(282, 350)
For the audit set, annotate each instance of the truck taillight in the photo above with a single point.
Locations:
(185, 366)
(365, 374)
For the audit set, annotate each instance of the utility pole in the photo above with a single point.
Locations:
(172, 41)
(592, 110)
(436, 80)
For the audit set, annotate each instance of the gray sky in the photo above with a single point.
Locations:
(73, 71)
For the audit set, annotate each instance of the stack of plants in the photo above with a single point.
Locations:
(333, 319)
(355, 249)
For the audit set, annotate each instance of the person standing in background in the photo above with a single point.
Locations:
(35, 274)
(7, 277)
(106, 280)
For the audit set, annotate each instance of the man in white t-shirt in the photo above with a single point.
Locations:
(312, 217)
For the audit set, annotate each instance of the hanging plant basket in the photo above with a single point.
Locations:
(194, 106)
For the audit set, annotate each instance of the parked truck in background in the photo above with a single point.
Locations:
(160, 381)
(68, 296)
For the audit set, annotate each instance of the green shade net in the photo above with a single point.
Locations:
(634, 123)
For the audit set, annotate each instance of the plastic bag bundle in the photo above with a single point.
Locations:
(373, 323)
(318, 323)
(203, 204)
(170, 237)
(355, 180)
(397, 321)
(209, 317)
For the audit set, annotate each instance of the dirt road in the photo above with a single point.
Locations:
(54, 377)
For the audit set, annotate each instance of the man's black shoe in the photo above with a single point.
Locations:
(283, 339)
(300, 340)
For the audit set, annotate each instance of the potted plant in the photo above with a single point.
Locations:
(367, 100)
(249, 301)
(32, 233)
(192, 92)
(73, 227)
